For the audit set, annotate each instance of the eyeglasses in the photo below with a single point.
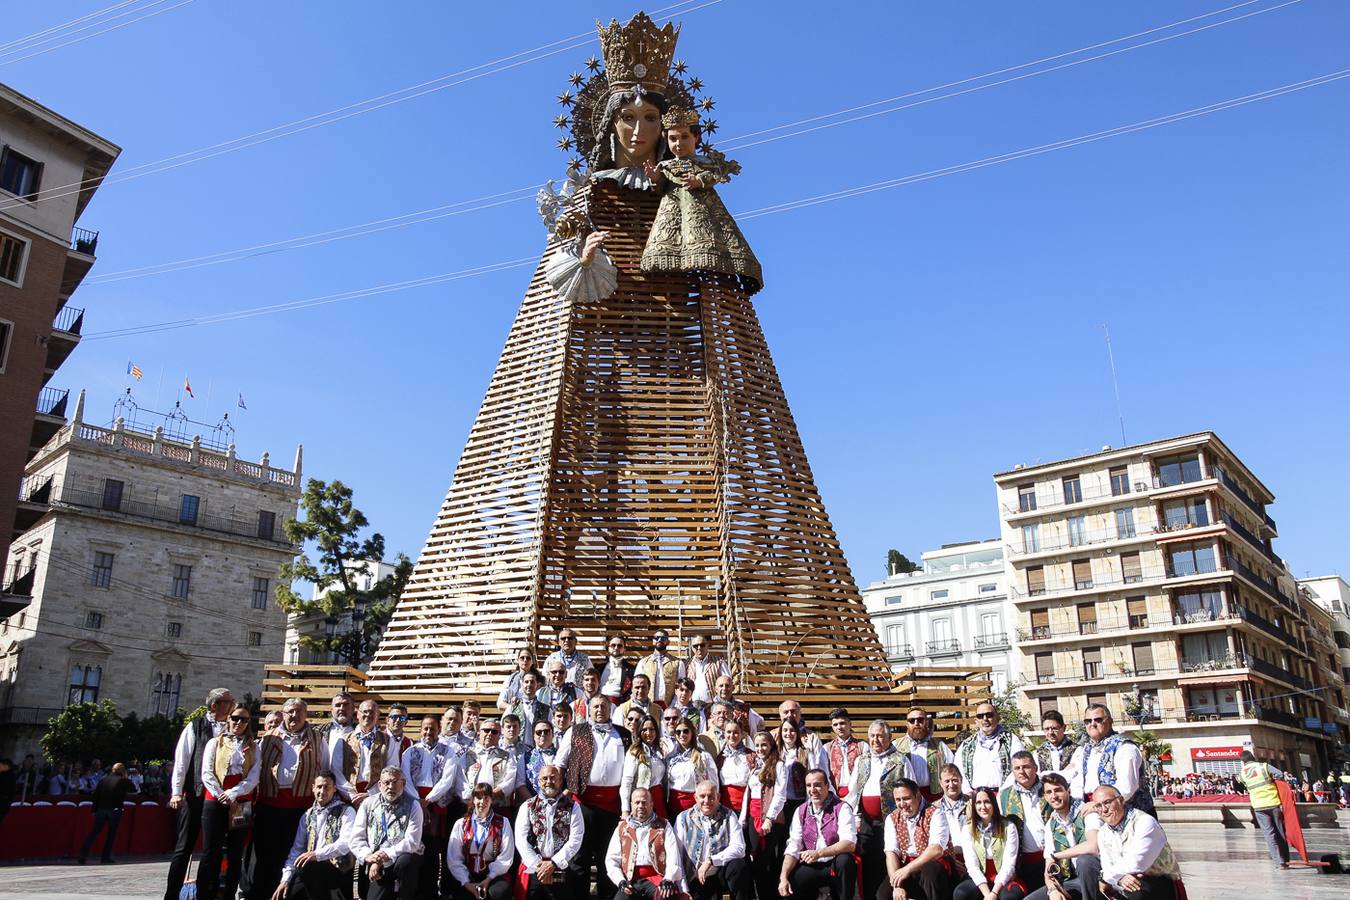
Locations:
(240, 718)
(698, 645)
(985, 715)
(1094, 720)
(540, 731)
(398, 718)
(489, 731)
(670, 718)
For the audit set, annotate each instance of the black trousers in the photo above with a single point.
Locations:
(1084, 884)
(600, 825)
(218, 842)
(498, 889)
(188, 824)
(273, 833)
(967, 890)
(564, 887)
(399, 879)
(872, 851)
(317, 880)
(929, 882)
(766, 860)
(1156, 887)
(732, 879)
(840, 875)
(103, 817)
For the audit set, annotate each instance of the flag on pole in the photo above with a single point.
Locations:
(241, 402)
(134, 370)
(187, 386)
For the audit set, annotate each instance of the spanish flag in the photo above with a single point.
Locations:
(187, 386)
(134, 371)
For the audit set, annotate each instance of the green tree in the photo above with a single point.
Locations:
(150, 738)
(1151, 747)
(1010, 712)
(334, 525)
(898, 563)
(84, 731)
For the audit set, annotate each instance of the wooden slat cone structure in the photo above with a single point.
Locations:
(633, 465)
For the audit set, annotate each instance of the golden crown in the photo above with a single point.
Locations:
(638, 53)
(680, 118)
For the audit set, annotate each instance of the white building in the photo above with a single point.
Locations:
(365, 574)
(1333, 594)
(150, 565)
(953, 612)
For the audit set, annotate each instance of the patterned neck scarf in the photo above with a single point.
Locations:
(1068, 834)
(323, 824)
(482, 841)
(387, 822)
(706, 836)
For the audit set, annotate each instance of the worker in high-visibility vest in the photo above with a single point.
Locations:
(1259, 780)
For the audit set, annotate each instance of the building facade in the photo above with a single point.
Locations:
(1144, 578)
(153, 564)
(364, 575)
(1331, 593)
(952, 612)
(49, 170)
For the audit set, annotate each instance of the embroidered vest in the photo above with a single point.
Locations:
(1069, 834)
(839, 755)
(201, 733)
(967, 755)
(1010, 801)
(387, 823)
(1142, 799)
(933, 758)
(656, 846)
(323, 826)
(891, 774)
(828, 827)
(225, 749)
(994, 851)
(351, 754)
(901, 825)
(669, 668)
(710, 833)
(1065, 754)
(477, 855)
(562, 822)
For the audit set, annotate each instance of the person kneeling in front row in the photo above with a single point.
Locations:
(820, 845)
(480, 851)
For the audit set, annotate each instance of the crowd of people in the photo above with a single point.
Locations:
(650, 778)
(34, 779)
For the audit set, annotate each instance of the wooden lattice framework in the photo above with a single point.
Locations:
(634, 464)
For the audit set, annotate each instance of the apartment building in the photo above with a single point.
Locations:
(151, 564)
(1331, 593)
(952, 612)
(49, 170)
(1144, 578)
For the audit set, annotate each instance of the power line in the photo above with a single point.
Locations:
(342, 113)
(149, 15)
(787, 206)
(437, 213)
(18, 42)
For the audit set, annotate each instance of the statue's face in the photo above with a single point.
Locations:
(637, 129)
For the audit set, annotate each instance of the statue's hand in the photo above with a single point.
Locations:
(594, 241)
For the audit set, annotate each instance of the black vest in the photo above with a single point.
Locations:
(201, 734)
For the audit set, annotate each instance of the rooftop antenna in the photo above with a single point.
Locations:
(1115, 384)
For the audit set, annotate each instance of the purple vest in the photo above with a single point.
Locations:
(829, 823)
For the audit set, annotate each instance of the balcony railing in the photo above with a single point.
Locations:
(1087, 627)
(70, 319)
(23, 585)
(1133, 623)
(170, 513)
(52, 402)
(82, 240)
(1269, 627)
(900, 651)
(990, 641)
(1198, 664)
(1257, 664)
(939, 648)
(1279, 716)
(1270, 587)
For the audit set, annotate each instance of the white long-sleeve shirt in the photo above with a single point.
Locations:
(630, 770)
(235, 767)
(497, 867)
(848, 829)
(754, 790)
(182, 753)
(1085, 775)
(987, 765)
(607, 766)
(1132, 850)
(495, 766)
(704, 673)
(1006, 866)
(815, 759)
(681, 774)
(289, 763)
(918, 761)
(1033, 822)
(530, 858)
(323, 849)
(1091, 822)
(360, 845)
(735, 848)
(938, 835)
(423, 766)
(642, 855)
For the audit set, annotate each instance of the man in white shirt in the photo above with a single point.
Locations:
(1023, 799)
(434, 771)
(927, 754)
(1072, 869)
(1056, 752)
(919, 850)
(712, 848)
(186, 785)
(616, 674)
(592, 760)
(843, 751)
(319, 861)
(985, 758)
(574, 662)
(643, 858)
(489, 764)
(872, 799)
(703, 668)
(1108, 758)
(557, 688)
(1137, 862)
(289, 758)
(334, 732)
(386, 839)
(820, 845)
(549, 833)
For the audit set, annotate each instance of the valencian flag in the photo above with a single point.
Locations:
(187, 386)
(134, 370)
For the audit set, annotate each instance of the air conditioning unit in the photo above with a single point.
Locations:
(1141, 485)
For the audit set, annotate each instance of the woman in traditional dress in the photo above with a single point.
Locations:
(479, 852)
(795, 761)
(763, 814)
(989, 844)
(738, 762)
(685, 768)
(644, 766)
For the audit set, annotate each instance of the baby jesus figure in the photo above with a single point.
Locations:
(693, 232)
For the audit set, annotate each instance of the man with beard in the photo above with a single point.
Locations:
(341, 722)
(1109, 758)
(985, 758)
(703, 668)
(927, 755)
(662, 669)
(549, 833)
(386, 839)
(288, 762)
(186, 789)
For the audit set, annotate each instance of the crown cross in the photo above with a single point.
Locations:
(638, 53)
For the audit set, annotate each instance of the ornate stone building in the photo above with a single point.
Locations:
(153, 561)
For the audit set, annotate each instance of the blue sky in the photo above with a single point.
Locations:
(927, 336)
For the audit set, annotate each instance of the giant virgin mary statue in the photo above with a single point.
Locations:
(634, 464)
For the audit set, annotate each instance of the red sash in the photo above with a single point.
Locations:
(871, 807)
(842, 792)
(287, 799)
(648, 873)
(229, 782)
(732, 797)
(606, 798)
(679, 801)
(658, 793)
(757, 815)
(361, 786)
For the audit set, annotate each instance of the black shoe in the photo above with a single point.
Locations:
(109, 861)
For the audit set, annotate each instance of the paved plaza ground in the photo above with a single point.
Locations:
(1218, 863)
